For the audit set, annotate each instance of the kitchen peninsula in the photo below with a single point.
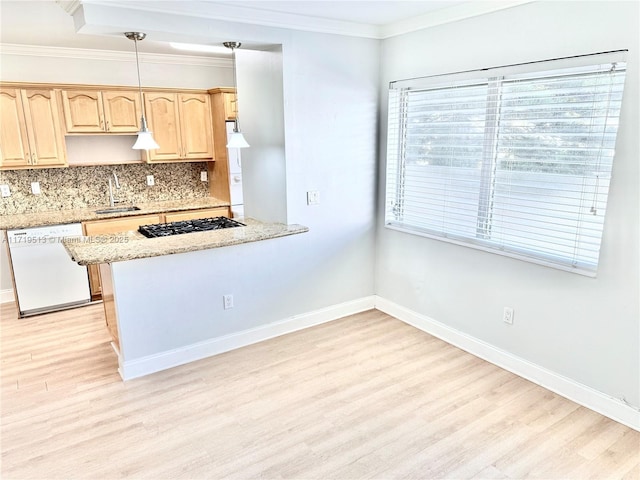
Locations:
(132, 245)
(162, 296)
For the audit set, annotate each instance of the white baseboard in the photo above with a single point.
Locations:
(581, 394)
(6, 296)
(190, 353)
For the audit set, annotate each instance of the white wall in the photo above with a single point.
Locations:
(585, 329)
(185, 307)
(264, 163)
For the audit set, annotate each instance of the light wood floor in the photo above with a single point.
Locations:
(362, 397)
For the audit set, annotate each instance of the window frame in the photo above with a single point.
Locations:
(396, 161)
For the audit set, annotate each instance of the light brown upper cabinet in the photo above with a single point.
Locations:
(230, 106)
(30, 131)
(181, 125)
(224, 103)
(94, 111)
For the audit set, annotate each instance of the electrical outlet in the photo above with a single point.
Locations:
(203, 175)
(4, 189)
(507, 315)
(150, 181)
(313, 197)
(35, 188)
(227, 300)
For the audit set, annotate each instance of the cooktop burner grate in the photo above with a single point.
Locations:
(188, 226)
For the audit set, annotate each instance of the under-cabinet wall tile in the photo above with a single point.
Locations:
(86, 187)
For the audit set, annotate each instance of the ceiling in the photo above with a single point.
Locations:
(50, 23)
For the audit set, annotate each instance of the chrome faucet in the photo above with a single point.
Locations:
(112, 198)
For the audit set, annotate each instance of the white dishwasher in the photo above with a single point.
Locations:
(46, 278)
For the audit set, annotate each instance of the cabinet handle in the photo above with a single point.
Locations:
(34, 159)
(108, 126)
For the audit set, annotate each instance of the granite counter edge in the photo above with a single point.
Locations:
(85, 255)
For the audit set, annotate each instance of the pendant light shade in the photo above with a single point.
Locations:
(145, 139)
(236, 139)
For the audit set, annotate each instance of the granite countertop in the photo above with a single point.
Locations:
(133, 245)
(60, 217)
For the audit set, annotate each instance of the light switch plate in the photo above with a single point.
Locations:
(203, 175)
(313, 197)
(35, 188)
(5, 190)
(150, 181)
(227, 301)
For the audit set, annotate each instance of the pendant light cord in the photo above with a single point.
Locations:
(235, 84)
(144, 120)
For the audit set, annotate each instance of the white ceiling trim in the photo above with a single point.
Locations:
(239, 14)
(447, 15)
(112, 55)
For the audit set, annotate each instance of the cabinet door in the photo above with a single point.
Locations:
(121, 111)
(95, 286)
(83, 111)
(46, 141)
(108, 301)
(163, 120)
(195, 122)
(118, 225)
(193, 214)
(230, 106)
(14, 145)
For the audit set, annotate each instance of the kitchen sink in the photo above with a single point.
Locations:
(105, 211)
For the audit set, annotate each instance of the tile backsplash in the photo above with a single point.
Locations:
(88, 186)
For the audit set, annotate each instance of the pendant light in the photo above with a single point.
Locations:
(236, 139)
(145, 140)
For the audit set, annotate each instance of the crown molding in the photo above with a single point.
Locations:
(112, 55)
(447, 15)
(239, 14)
(69, 6)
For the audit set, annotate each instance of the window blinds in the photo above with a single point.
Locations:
(516, 162)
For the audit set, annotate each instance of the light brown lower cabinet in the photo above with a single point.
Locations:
(195, 214)
(108, 302)
(119, 225)
(94, 282)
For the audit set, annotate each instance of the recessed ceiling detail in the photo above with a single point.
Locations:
(66, 24)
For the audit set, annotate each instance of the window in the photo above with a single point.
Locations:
(514, 160)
